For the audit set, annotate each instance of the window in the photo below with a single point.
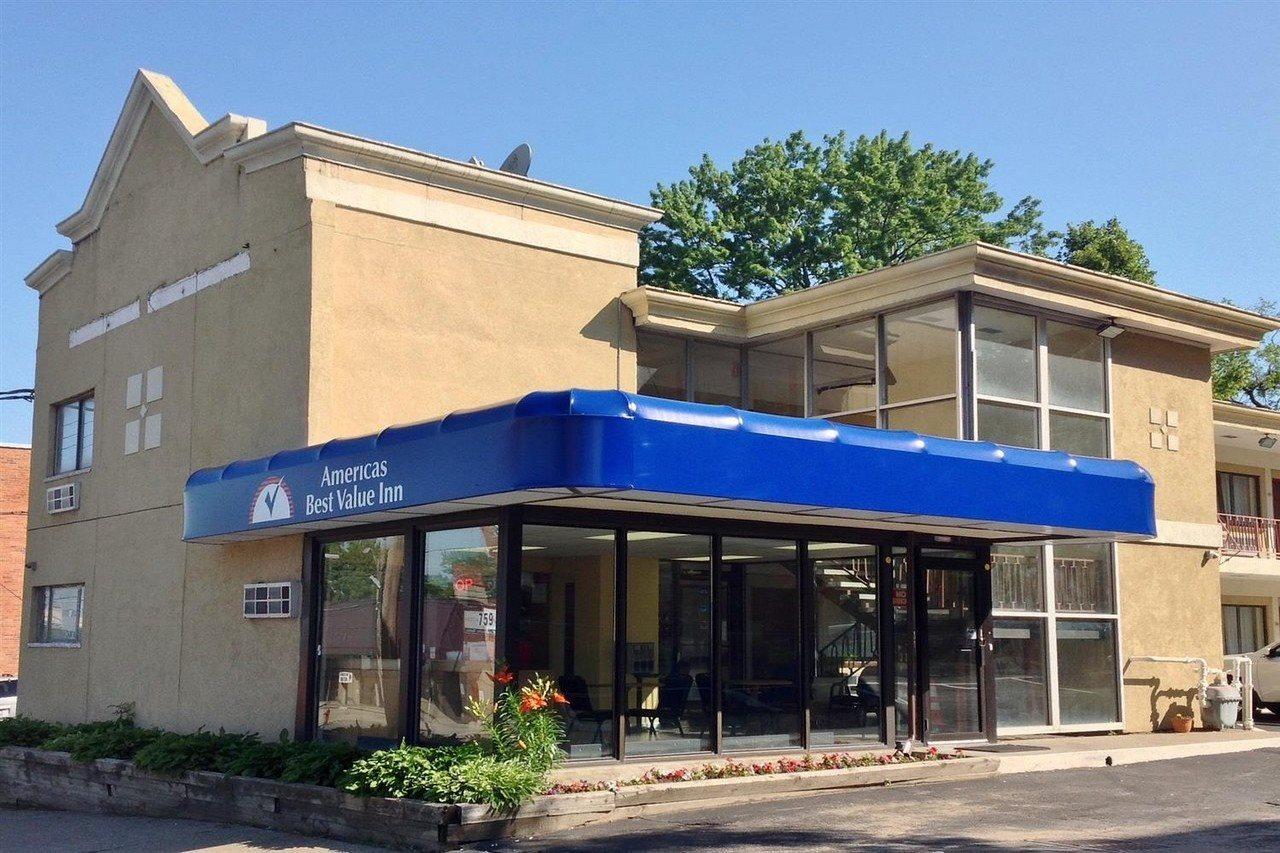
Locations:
(1017, 578)
(1244, 628)
(73, 435)
(844, 372)
(921, 347)
(717, 373)
(670, 702)
(1081, 435)
(459, 628)
(361, 641)
(1022, 686)
(566, 628)
(1006, 347)
(660, 366)
(775, 377)
(1003, 423)
(1082, 578)
(760, 649)
(1076, 371)
(57, 615)
(1238, 494)
(1087, 663)
(846, 706)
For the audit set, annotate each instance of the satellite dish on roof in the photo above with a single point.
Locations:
(518, 161)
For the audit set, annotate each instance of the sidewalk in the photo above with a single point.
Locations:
(1061, 752)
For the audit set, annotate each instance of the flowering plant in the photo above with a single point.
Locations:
(524, 723)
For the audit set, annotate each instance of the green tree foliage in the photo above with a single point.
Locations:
(1251, 376)
(1106, 248)
(791, 214)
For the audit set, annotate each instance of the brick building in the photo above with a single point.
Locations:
(15, 464)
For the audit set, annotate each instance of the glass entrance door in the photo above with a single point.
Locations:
(953, 607)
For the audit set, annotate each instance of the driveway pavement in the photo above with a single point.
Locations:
(1221, 802)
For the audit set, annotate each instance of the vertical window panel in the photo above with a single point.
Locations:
(1005, 345)
(1087, 664)
(459, 625)
(844, 368)
(775, 378)
(1022, 685)
(717, 373)
(670, 690)
(1076, 370)
(921, 347)
(846, 699)
(361, 642)
(1017, 578)
(660, 366)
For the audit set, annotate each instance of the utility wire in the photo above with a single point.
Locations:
(27, 394)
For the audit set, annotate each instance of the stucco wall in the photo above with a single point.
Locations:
(412, 321)
(162, 620)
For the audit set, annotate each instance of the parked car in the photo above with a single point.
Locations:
(1266, 677)
(8, 697)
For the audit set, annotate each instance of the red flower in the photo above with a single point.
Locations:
(503, 676)
(559, 698)
(532, 702)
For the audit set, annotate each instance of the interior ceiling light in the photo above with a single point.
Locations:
(1110, 330)
(1268, 441)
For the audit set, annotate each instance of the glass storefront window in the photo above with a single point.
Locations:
(1016, 426)
(359, 674)
(1082, 579)
(1087, 671)
(775, 378)
(717, 374)
(459, 624)
(660, 366)
(1017, 578)
(845, 703)
(904, 649)
(670, 693)
(566, 628)
(1005, 345)
(937, 418)
(1079, 434)
(844, 369)
(1076, 372)
(1022, 686)
(760, 651)
(921, 347)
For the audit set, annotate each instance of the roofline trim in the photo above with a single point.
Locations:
(298, 139)
(50, 271)
(1237, 414)
(206, 142)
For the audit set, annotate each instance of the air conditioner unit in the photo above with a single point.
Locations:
(62, 498)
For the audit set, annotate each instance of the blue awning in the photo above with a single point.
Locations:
(611, 449)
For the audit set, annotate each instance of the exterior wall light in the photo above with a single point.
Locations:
(1110, 330)
(1268, 441)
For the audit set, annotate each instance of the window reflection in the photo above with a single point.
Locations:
(1082, 578)
(359, 677)
(1005, 345)
(921, 348)
(1016, 426)
(844, 369)
(760, 659)
(1082, 435)
(1022, 687)
(717, 374)
(660, 366)
(938, 418)
(775, 378)
(1087, 671)
(846, 614)
(1075, 367)
(459, 624)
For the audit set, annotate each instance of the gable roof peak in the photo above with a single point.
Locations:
(206, 142)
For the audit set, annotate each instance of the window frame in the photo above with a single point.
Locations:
(1230, 480)
(55, 450)
(1043, 408)
(40, 619)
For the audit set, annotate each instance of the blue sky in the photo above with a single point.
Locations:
(1165, 115)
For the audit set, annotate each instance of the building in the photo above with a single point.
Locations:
(1248, 466)
(15, 463)
(707, 547)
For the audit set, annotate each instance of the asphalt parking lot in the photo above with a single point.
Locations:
(1225, 802)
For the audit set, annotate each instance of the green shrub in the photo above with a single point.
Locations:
(24, 731)
(461, 774)
(101, 740)
(303, 762)
(173, 753)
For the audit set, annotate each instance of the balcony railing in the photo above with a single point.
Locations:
(1248, 536)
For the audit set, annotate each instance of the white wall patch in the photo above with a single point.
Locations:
(168, 294)
(132, 433)
(133, 391)
(155, 384)
(103, 324)
(151, 432)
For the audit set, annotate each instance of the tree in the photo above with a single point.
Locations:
(1106, 248)
(788, 215)
(1251, 376)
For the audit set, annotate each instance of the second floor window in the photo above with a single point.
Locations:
(73, 435)
(1238, 494)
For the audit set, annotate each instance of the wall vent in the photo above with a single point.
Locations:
(62, 498)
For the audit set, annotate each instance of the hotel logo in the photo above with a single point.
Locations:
(271, 502)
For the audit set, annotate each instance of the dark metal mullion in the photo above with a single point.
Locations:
(411, 670)
(620, 643)
(887, 644)
(986, 660)
(717, 676)
(806, 578)
(510, 536)
(311, 615)
(968, 403)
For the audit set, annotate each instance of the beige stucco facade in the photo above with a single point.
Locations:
(386, 286)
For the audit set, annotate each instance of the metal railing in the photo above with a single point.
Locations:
(1248, 535)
